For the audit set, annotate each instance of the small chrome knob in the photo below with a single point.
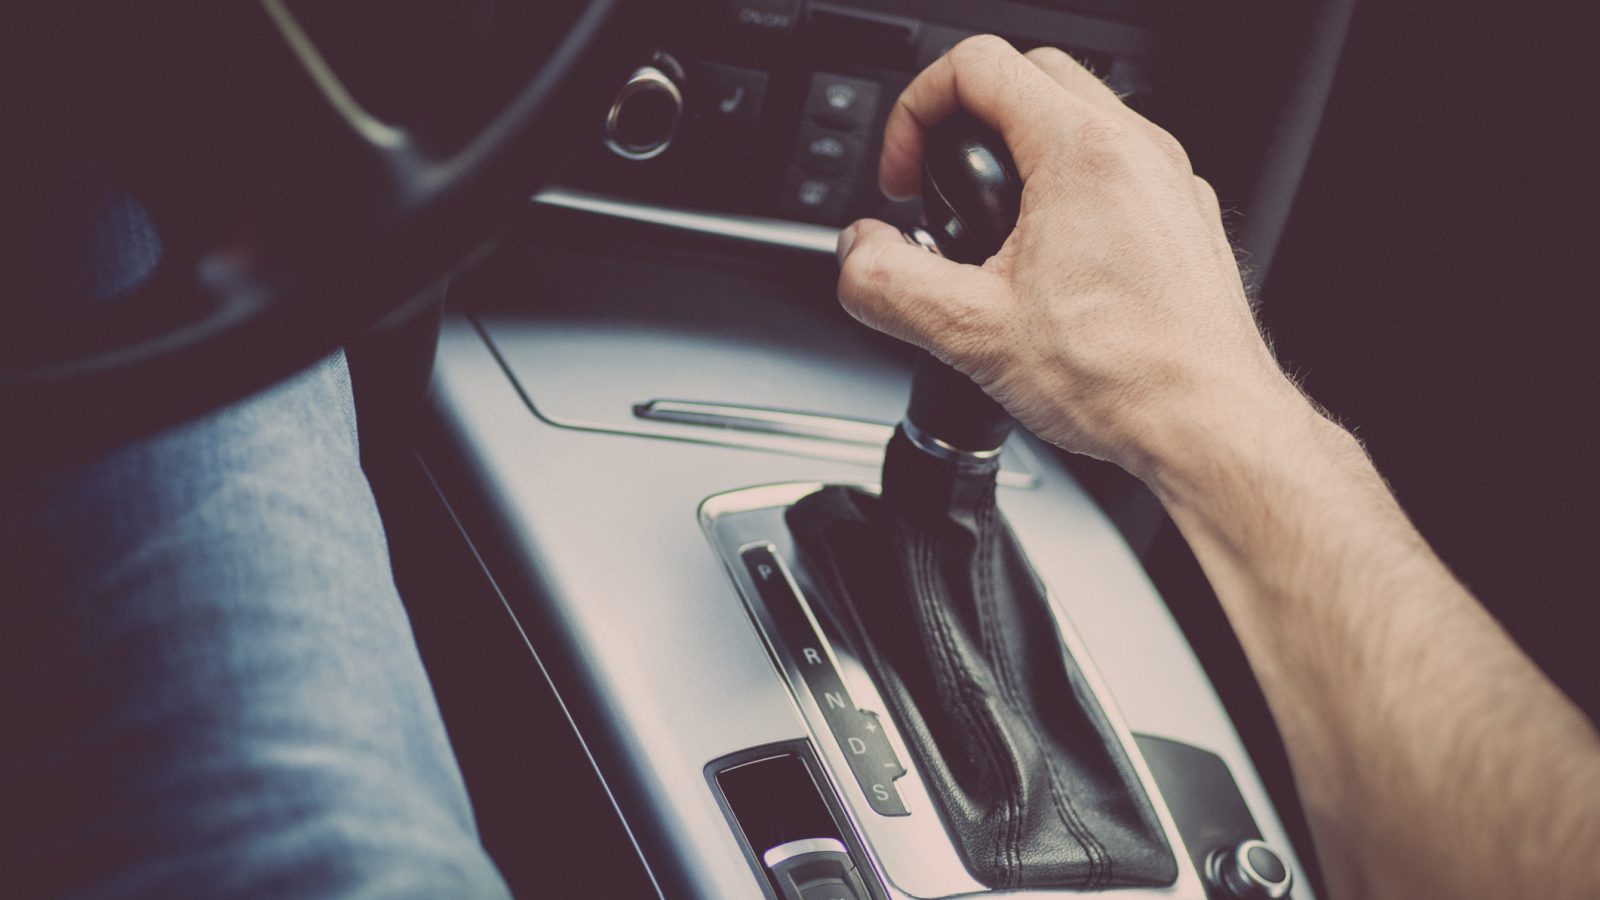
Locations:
(1251, 870)
(644, 115)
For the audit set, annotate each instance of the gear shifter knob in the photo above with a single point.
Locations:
(971, 195)
(971, 192)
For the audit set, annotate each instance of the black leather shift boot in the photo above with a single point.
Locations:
(1029, 775)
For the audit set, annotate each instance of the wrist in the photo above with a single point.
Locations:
(1242, 434)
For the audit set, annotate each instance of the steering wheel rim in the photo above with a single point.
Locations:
(351, 207)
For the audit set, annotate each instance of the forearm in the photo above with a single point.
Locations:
(1433, 757)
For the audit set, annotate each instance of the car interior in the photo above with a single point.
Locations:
(629, 449)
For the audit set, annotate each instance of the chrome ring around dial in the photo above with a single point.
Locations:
(646, 84)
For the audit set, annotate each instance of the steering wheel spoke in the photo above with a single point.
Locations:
(290, 215)
(269, 144)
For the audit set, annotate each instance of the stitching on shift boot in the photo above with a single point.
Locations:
(1009, 680)
(981, 726)
(984, 607)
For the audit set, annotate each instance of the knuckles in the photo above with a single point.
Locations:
(1100, 146)
(1171, 148)
(979, 48)
(1048, 54)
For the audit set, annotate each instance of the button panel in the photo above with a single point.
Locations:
(830, 147)
(859, 733)
(765, 75)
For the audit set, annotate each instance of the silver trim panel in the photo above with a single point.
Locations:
(800, 848)
(668, 669)
(767, 421)
(756, 229)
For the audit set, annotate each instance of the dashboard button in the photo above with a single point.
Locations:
(843, 103)
(728, 94)
(1267, 863)
(814, 198)
(824, 152)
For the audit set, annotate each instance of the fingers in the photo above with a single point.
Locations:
(905, 291)
(987, 77)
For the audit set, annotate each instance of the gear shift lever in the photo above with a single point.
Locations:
(1030, 777)
(971, 195)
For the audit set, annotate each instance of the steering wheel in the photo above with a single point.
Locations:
(290, 216)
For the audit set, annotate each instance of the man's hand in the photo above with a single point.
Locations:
(1434, 759)
(1113, 321)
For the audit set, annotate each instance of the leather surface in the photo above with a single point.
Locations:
(1029, 776)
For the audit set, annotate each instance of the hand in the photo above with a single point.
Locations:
(1113, 322)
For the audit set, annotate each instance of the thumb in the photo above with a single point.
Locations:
(903, 290)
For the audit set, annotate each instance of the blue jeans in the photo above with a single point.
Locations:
(208, 685)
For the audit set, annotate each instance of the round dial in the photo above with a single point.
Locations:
(1250, 870)
(644, 116)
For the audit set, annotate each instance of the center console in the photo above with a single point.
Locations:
(648, 561)
(647, 377)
